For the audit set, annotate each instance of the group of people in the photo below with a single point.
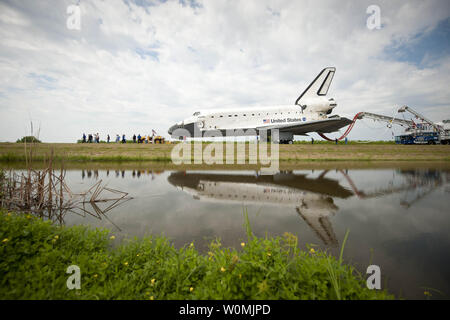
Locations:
(92, 137)
(95, 138)
(124, 139)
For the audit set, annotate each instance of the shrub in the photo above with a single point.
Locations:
(28, 139)
(34, 256)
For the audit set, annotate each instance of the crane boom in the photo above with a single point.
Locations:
(380, 117)
(421, 117)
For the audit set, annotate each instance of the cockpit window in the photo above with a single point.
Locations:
(197, 113)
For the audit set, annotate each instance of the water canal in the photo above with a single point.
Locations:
(398, 218)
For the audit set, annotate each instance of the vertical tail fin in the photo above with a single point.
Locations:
(320, 85)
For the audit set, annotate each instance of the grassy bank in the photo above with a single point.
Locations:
(112, 152)
(34, 256)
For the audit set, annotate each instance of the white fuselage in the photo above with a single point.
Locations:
(254, 117)
(258, 117)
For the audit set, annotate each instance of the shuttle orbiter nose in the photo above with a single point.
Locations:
(175, 127)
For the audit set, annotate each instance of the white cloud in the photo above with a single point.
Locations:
(130, 69)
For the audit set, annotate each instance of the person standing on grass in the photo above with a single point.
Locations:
(107, 138)
(346, 140)
(134, 138)
(123, 139)
(84, 138)
(336, 140)
(312, 140)
(139, 138)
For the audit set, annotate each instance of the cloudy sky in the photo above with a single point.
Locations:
(139, 65)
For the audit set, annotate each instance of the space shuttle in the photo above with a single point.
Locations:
(311, 112)
(312, 198)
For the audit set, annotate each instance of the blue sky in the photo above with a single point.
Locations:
(140, 65)
(424, 47)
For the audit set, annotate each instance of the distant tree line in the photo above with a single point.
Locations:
(28, 139)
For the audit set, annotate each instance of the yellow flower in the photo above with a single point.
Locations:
(263, 286)
(5, 240)
(269, 254)
(28, 216)
(138, 255)
(56, 237)
(222, 269)
(95, 275)
(312, 250)
(191, 289)
(242, 244)
(9, 214)
(151, 298)
(126, 263)
(153, 281)
(191, 245)
(112, 237)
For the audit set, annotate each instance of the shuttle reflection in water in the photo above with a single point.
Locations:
(312, 198)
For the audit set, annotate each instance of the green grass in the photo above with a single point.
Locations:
(133, 152)
(10, 157)
(353, 142)
(35, 254)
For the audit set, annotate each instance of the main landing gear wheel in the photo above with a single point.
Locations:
(285, 142)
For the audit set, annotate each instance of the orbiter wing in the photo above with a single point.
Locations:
(328, 125)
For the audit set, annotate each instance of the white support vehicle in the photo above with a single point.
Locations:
(445, 133)
(442, 130)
